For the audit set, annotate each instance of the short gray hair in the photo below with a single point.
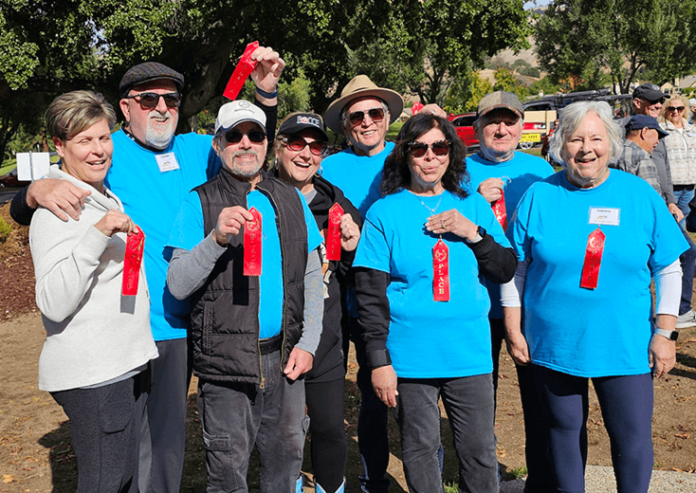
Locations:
(571, 119)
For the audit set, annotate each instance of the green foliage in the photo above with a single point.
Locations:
(5, 231)
(505, 81)
(543, 87)
(465, 93)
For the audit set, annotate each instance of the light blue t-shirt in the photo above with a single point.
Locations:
(518, 173)
(357, 176)
(152, 198)
(429, 339)
(188, 231)
(592, 332)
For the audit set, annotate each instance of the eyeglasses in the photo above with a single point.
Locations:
(657, 101)
(296, 144)
(151, 99)
(235, 136)
(419, 149)
(675, 108)
(357, 117)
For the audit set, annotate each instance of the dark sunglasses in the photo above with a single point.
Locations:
(235, 136)
(656, 101)
(419, 149)
(357, 117)
(675, 108)
(151, 99)
(296, 144)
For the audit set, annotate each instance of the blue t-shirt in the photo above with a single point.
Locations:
(152, 199)
(604, 331)
(357, 176)
(518, 173)
(430, 339)
(188, 231)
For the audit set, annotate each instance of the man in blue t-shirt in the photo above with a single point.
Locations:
(152, 172)
(502, 175)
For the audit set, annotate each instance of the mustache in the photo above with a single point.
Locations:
(243, 152)
(156, 114)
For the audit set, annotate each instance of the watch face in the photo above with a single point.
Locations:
(674, 336)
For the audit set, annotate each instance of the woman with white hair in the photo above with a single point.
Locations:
(589, 240)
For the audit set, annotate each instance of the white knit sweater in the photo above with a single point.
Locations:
(93, 334)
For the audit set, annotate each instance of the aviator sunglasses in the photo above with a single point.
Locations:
(235, 136)
(296, 144)
(151, 99)
(419, 149)
(675, 108)
(357, 117)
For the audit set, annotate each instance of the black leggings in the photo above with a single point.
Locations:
(329, 446)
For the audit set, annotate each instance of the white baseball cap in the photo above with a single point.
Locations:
(232, 114)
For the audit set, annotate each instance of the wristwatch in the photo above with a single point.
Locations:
(672, 335)
(480, 235)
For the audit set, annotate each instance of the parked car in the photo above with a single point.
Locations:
(465, 129)
(10, 180)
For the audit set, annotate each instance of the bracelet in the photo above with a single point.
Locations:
(268, 95)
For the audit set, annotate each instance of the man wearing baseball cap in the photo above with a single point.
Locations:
(244, 248)
(502, 175)
(153, 171)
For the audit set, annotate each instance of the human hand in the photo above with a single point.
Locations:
(60, 197)
(230, 221)
(662, 355)
(518, 349)
(116, 222)
(299, 362)
(384, 383)
(452, 221)
(268, 69)
(350, 233)
(676, 212)
(491, 189)
(433, 109)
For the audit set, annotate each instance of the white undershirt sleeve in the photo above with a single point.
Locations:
(668, 289)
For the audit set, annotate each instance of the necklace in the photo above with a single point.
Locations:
(433, 210)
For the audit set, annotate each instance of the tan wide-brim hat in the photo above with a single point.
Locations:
(360, 87)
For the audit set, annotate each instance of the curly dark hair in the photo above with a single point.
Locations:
(396, 174)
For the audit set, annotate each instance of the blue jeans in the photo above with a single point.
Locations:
(627, 405)
(237, 416)
(688, 265)
(683, 194)
(469, 405)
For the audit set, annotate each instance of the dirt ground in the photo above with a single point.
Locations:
(35, 452)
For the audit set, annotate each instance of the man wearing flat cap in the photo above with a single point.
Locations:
(502, 175)
(152, 171)
(253, 333)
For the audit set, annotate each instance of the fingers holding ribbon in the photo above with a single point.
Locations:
(230, 222)
(350, 233)
(268, 68)
(452, 221)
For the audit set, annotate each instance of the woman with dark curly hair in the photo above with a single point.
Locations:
(427, 331)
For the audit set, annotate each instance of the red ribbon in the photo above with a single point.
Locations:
(593, 259)
(333, 234)
(241, 72)
(500, 211)
(252, 244)
(441, 284)
(135, 246)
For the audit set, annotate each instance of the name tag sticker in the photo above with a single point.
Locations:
(609, 217)
(167, 162)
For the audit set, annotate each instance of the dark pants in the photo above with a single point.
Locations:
(329, 446)
(627, 405)
(469, 405)
(688, 264)
(163, 434)
(104, 427)
(539, 465)
(237, 416)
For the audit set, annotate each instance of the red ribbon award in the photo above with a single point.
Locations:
(252, 244)
(441, 284)
(241, 72)
(500, 211)
(593, 259)
(333, 234)
(135, 245)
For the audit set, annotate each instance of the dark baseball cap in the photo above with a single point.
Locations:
(147, 72)
(644, 121)
(649, 91)
(297, 122)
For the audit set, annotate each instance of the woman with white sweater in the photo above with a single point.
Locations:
(98, 341)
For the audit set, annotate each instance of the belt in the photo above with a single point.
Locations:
(271, 344)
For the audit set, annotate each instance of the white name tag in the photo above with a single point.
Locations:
(167, 162)
(610, 217)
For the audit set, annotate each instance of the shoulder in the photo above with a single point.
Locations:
(384, 206)
(192, 138)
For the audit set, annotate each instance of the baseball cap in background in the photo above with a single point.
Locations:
(500, 99)
(147, 72)
(649, 91)
(233, 113)
(644, 121)
(295, 123)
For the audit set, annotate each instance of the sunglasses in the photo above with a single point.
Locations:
(675, 108)
(235, 136)
(296, 144)
(419, 149)
(357, 117)
(151, 99)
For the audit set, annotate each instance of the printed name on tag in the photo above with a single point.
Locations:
(167, 162)
(607, 216)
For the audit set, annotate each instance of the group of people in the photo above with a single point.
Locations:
(257, 273)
